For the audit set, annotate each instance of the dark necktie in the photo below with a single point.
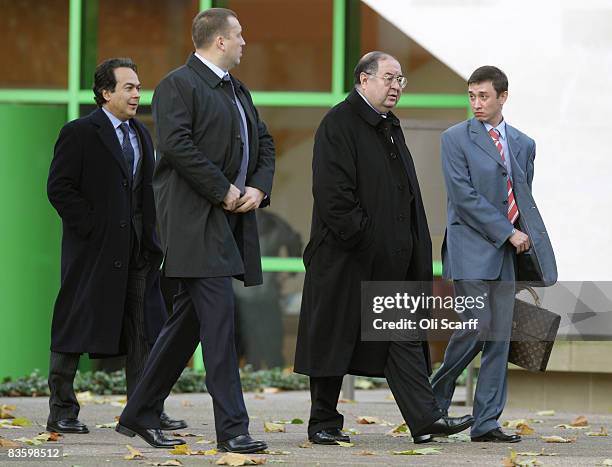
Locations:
(241, 178)
(512, 213)
(126, 147)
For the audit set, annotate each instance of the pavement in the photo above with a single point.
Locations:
(371, 443)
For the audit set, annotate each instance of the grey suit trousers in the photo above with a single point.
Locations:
(492, 338)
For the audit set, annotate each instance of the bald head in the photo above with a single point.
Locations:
(369, 64)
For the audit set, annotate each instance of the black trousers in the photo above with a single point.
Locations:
(406, 373)
(63, 403)
(203, 312)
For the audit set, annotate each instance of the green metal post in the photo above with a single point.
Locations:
(74, 59)
(338, 49)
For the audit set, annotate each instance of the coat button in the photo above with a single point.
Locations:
(124, 182)
(505, 201)
(123, 224)
(393, 155)
(504, 174)
(117, 264)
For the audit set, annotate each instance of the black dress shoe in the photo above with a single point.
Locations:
(71, 425)
(443, 426)
(329, 436)
(168, 424)
(496, 436)
(242, 444)
(153, 436)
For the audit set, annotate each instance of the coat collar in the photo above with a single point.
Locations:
(514, 141)
(368, 113)
(480, 136)
(109, 138)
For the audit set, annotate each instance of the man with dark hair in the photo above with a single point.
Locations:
(368, 224)
(215, 168)
(488, 170)
(109, 301)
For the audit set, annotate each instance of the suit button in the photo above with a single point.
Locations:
(123, 224)
(238, 136)
(124, 183)
(393, 155)
(504, 174)
(117, 264)
(505, 201)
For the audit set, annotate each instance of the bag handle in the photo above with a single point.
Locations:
(535, 296)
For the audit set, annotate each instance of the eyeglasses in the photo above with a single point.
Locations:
(388, 79)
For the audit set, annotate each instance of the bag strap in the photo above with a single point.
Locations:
(535, 296)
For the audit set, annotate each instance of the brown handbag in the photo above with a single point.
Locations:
(533, 334)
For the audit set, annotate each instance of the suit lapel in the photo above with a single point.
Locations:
(482, 139)
(513, 142)
(107, 134)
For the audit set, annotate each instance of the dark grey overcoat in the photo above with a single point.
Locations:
(89, 187)
(199, 146)
(368, 224)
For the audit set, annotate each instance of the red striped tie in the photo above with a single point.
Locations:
(512, 207)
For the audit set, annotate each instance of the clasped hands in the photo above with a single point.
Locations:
(520, 241)
(237, 203)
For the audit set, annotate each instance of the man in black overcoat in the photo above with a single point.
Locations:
(368, 224)
(215, 168)
(109, 301)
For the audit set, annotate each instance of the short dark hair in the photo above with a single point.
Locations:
(208, 24)
(493, 74)
(369, 64)
(104, 77)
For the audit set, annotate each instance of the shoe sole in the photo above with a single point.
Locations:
(131, 433)
(326, 443)
(55, 430)
(242, 451)
(494, 441)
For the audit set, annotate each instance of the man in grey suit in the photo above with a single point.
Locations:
(488, 170)
(215, 168)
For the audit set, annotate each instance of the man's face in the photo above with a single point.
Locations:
(122, 102)
(383, 91)
(486, 104)
(233, 42)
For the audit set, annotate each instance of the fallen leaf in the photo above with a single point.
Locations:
(30, 441)
(351, 431)
(345, 445)
(5, 411)
(187, 435)
(514, 424)
(7, 443)
(7, 424)
(399, 430)
(186, 404)
(276, 453)
(204, 441)
(134, 454)
(347, 401)
(607, 462)
(306, 445)
(557, 439)
(170, 462)
(107, 425)
(571, 427)
(270, 427)
(545, 413)
(456, 438)
(366, 453)
(361, 383)
(21, 421)
(602, 432)
(209, 452)
(53, 436)
(366, 420)
(390, 397)
(181, 450)
(581, 420)
(258, 397)
(240, 459)
(524, 430)
(535, 454)
(417, 452)
(514, 461)
(297, 421)
(271, 390)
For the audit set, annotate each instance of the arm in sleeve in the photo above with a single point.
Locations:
(262, 176)
(335, 187)
(172, 113)
(530, 164)
(64, 182)
(474, 209)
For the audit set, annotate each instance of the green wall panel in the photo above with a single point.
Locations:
(30, 235)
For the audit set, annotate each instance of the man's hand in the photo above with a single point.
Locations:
(231, 198)
(520, 241)
(251, 199)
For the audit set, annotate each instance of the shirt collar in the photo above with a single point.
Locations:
(501, 128)
(114, 120)
(215, 69)
(368, 102)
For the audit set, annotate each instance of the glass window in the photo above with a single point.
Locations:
(288, 44)
(425, 73)
(35, 46)
(156, 34)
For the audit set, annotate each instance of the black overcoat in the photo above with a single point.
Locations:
(368, 224)
(199, 146)
(89, 187)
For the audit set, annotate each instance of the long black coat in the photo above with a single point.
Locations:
(199, 145)
(368, 224)
(88, 186)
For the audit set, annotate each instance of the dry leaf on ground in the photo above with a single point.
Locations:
(581, 420)
(347, 401)
(21, 421)
(545, 413)
(367, 420)
(366, 453)
(399, 430)
(351, 431)
(606, 462)
(276, 453)
(602, 432)
(5, 411)
(557, 439)
(417, 452)
(240, 459)
(171, 462)
(271, 390)
(270, 427)
(134, 454)
(514, 461)
(204, 441)
(186, 404)
(7, 443)
(181, 450)
(187, 435)
(345, 445)
(524, 430)
(107, 425)
(565, 426)
(306, 445)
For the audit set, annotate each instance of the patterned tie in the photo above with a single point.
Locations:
(127, 148)
(512, 207)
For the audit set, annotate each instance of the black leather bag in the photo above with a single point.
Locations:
(534, 330)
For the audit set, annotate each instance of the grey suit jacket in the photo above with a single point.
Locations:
(477, 226)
